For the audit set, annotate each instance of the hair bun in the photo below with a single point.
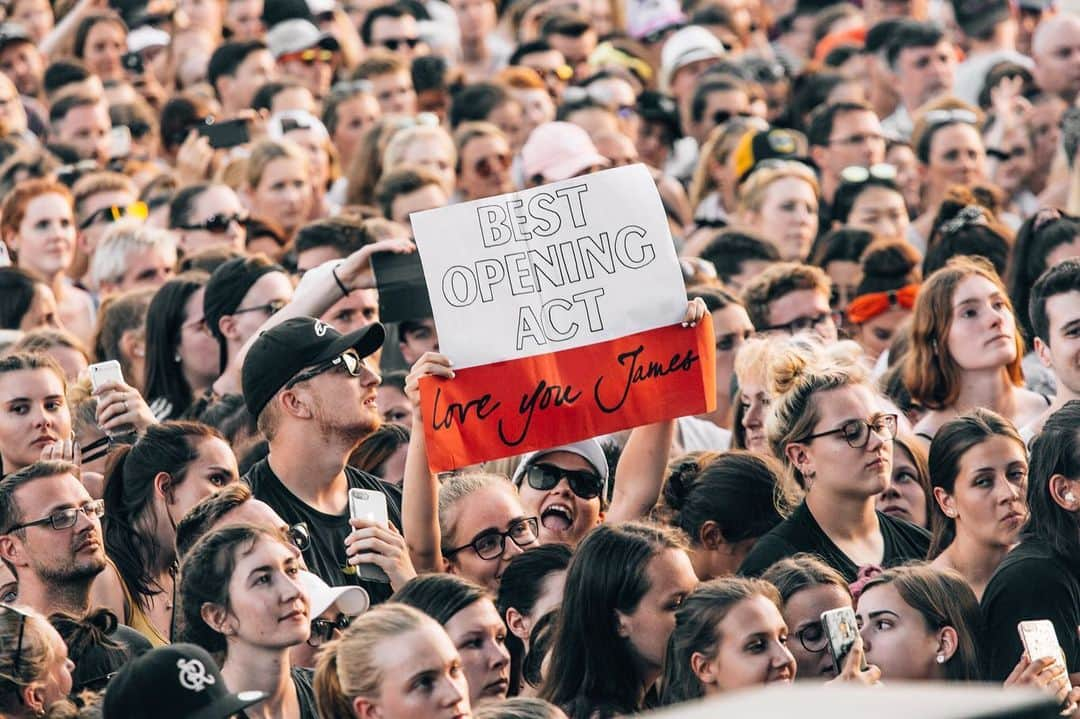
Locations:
(680, 481)
(890, 259)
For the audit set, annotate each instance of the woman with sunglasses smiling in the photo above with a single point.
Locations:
(38, 225)
(35, 672)
(834, 434)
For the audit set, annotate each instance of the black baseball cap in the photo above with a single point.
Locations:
(281, 352)
(178, 681)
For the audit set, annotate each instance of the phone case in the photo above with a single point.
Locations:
(370, 506)
(102, 372)
(1039, 639)
(841, 629)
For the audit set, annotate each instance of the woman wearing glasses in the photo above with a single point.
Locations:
(38, 226)
(468, 614)
(149, 487)
(979, 468)
(35, 672)
(834, 435)
(241, 598)
(966, 349)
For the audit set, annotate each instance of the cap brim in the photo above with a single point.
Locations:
(572, 166)
(350, 600)
(365, 341)
(228, 705)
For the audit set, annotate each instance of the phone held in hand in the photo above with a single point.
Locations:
(102, 373)
(841, 630)
(371, 507)
(1040, 640)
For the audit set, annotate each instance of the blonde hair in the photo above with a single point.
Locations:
(457, 488)
(351, 667)
(718, 147)
(38, 654)
(394, 154)
(753, 190)
(797, 370)
(266, 152)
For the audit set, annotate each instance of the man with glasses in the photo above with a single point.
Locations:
(304, 53)
(791, 298)
(208, 215)
(314, 396)
(241, 295)
(841, 135)
(394, 29)
(99, 198)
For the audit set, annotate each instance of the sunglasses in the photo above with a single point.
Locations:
(856, 174)
(322, 630)
(722, 117)
(138, 210)
(583, 483)
(216, 224)
(562, 72)
(488, 166)
(309, 56)
(270, 308)
(349, 361)
(393, 43)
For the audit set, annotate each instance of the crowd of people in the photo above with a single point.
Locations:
(877, 203)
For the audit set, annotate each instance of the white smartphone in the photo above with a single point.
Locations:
(371, 507)
(119, 142)
(1040, 640)
(104, 372)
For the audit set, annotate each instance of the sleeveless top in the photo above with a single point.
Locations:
(135, 617)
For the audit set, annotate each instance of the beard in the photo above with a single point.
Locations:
(350, 429)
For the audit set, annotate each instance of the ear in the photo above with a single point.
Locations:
(710, 535)
(1061, 491)
(33, 697)
(133, 343)
(750, 218)
(600, 517)
(216, 617)
(1043, 351)
(11, 239)
(948, 642)
(946, 502)
(292, 402)
(704, 669)
(622, 624)
(364, 709)
(163, 486)
(817, 154)
(799, 457)
(11, 550)
(227, 325)
(517, 623)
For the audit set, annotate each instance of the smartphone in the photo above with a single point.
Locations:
(119, 142)
(133, 63)
(104, 372)
(369, 506)
(402, 288)
(226, 134)
(841, 630)
(1040, 640)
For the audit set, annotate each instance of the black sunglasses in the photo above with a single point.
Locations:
(115, 213)
(393, 43)
(322, 630)
(217, 224)
(583, 483)
(270, 308)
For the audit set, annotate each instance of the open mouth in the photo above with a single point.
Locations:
(557, 517)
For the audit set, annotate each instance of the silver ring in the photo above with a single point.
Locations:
(125, 406)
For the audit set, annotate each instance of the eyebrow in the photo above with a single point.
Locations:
(881, 613)
(31, 399)
(992, 296)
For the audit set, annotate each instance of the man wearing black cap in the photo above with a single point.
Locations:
(991, 29)
(314, 397)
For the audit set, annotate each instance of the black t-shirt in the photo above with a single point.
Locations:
(801, 533)
(1033, 582)
(303, 679)
(326, 555)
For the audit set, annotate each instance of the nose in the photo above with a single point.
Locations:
(370, 378)
(752, 418)
(864, 633)
(874, 441)
(782, 657)
(42, 418)
(890, 492)
(450, 694)
(510, 549)
(498, 656)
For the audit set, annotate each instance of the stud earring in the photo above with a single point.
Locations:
(176, 357)
(1070, 497)
(940, 658)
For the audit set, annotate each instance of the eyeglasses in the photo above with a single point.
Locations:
(66, 518)
(491, 545)
(488, 166)
(722, 117)
(802, 324)
(859, 139)
(138, 210)
(270, 308)
(393, 43)
(350, 361)
(583, 483)
(322, 630)
(939, 117)
(23, 616)
(299, 536)
(856, 174)
(216, 224)
(309, 56)
(813, 638)
(856, 432)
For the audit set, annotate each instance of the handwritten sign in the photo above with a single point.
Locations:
(556, 267)
(509, 408)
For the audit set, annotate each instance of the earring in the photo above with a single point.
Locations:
(176, 357)
(950, 513)
(1070, 497)
(933, 347)
(940, 658)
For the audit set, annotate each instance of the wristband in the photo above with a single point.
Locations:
(340, 284)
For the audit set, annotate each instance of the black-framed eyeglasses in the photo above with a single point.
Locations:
(584, 483)
(23, 616)
(322, 630)
(802, 324)
(115, 213)
(350, 361)
(299, 536)
(491, 545)
(813, 638)
(216, 224)
(856, 432)
(270, 308)
(66, 518)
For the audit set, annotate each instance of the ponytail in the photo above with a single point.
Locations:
(329, 696)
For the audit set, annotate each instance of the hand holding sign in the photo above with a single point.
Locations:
(355, 271)
(430, 364)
